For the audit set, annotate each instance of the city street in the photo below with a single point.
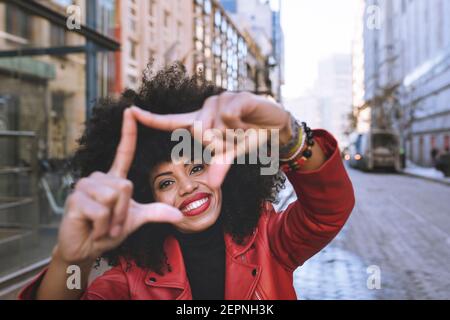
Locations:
(400, 224)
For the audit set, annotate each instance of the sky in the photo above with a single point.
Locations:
(313, 29)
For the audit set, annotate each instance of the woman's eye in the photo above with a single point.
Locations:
(164, 184)
(197, 168)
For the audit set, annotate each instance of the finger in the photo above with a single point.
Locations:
(121, 208)
(232, 119)
(127, 146)
(124, 190)
(217, 174)
(208, 112)
(98, 191)
(157, 212)
(167, 122)
(221, 162)
(96, 213)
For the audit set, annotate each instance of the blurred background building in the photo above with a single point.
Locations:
(329, 102)
(260, 20)
(406, 58)
(49, 78)
(204, 36)
(154, 30)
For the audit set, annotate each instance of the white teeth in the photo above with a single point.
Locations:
(194, 205)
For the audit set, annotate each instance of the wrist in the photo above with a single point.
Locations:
(59, 258)
(286, 132)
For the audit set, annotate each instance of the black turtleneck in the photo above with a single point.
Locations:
(204, 258)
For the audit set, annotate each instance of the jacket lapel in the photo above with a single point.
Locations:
(177, 278)
(241, 277)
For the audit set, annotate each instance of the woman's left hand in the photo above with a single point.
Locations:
(228, 110)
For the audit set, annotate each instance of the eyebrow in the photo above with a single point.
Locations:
(162, 174)
(167, 173)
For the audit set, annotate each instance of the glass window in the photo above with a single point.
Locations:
(133, 49)
(43, 105)
(17, 22)
(217, 18)
(132, 24)
(166, 18)
(207, 6)
(151, 7)
(57, 36)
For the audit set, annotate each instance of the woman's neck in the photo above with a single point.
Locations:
(206, 237)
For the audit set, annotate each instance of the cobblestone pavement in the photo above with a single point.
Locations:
(400, 224)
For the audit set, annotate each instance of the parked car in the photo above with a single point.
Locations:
(375, 149)
(443, 163)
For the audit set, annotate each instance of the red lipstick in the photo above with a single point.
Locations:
(196, 204)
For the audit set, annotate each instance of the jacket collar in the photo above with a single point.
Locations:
(177, 278)
(235, 249)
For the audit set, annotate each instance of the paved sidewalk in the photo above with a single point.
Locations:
(426, 173)
(398, 225)
(333, 274)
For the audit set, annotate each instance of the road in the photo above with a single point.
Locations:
(400, 227)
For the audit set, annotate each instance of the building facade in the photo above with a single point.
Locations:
(329, 103)
(50, 76)
(258, 20)
(334, 92)
(198, 33)
(155, 30)
(407, 72)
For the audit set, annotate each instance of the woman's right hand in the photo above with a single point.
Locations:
(100, 213)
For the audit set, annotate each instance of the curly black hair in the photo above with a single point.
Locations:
(169, 90)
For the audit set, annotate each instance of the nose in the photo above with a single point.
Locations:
(187, 186)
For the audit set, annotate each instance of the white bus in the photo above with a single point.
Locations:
(375, 149)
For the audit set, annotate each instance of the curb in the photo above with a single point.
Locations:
(444, 182)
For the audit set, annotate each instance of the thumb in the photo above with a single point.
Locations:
(156, 212)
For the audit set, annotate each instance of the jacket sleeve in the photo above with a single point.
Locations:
(325, 199)
(112, 285)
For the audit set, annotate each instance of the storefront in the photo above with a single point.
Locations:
(56, 59)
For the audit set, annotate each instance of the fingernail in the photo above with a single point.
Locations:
(115, 231)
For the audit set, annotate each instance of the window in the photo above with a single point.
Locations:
(207, 6)
(17, 22)
(152, 30)
(166, 18)
(132, 80)
(151, 7)
(133, 24)
(151, 55)
(433, 141)
(133, 51)
(179, 30)
(44, 99)
(57, 36)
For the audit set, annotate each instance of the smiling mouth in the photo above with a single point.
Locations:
(196, 207)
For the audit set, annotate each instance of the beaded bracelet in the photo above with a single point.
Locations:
(292, 146)
(295, 162)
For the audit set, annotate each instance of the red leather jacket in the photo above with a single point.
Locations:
(263, 267)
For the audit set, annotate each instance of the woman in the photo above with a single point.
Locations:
(190, 230)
